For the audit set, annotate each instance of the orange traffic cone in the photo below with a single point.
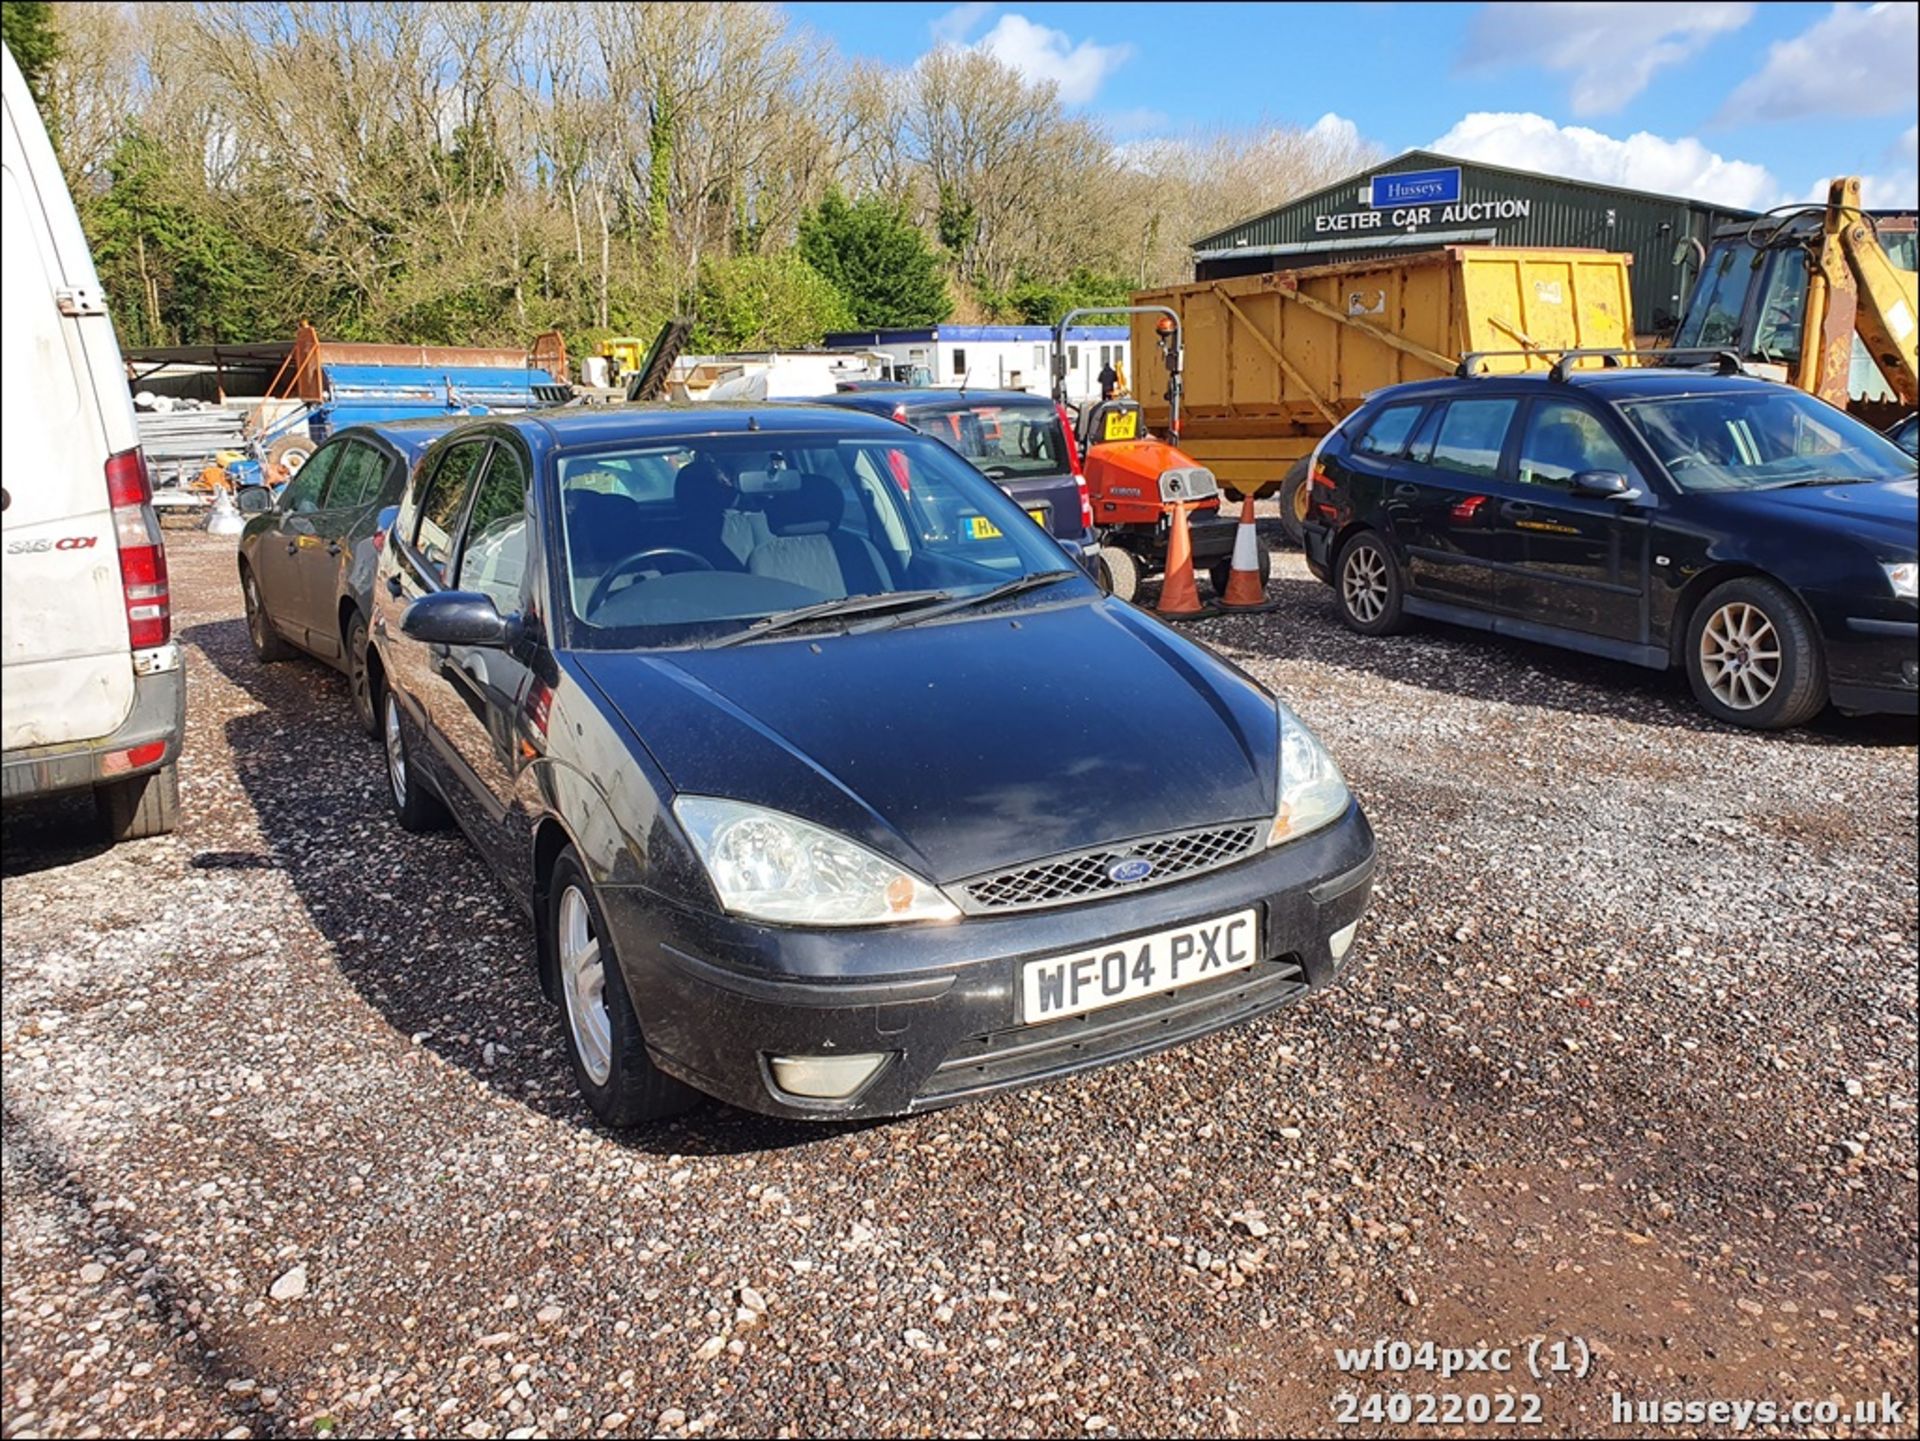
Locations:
(1179, 596)
(1245, 594)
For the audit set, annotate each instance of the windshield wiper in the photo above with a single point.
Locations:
(826, 609)
(985, 597)
(1819, 480)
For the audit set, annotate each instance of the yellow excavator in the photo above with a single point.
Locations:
(1822, 297)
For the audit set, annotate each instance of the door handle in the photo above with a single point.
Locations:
(393, 586)
(1516, 510)
(1403, 491)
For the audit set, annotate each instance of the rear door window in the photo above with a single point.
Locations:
(440, 502)
(1470, 436)
(1004, 441)
(1385, 436)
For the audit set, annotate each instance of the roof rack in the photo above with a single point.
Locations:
(1727, 362)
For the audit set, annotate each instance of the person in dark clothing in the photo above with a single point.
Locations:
(1109, 381)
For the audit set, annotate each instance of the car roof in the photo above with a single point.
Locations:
(916, 397)
(591, 425)
(410, 436)
(1622, 384)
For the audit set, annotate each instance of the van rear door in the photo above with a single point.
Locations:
(68, 672)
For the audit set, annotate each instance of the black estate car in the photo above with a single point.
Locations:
(819, 806)
(306, 564)
(1021, 442)
(1754, 535)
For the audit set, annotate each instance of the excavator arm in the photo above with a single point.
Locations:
(1853, 286)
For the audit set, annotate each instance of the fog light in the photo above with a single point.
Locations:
(826, 1078)
(1341, 941)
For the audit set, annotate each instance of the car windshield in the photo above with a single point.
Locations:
(693, 541)
(1004, 441)
(1759, 439)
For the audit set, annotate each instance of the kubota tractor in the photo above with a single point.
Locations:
(1134, 480)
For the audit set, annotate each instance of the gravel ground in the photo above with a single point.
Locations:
(1629, 1056)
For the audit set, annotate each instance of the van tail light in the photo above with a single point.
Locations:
(143, 559)
(1073, 464)
(900, 415)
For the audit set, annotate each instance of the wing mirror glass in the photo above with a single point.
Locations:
(459, 617)
(1602, 484)
(253, 500)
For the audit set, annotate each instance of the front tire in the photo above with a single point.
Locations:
(1119, 573)
(416, 808)
(362, 677)
(617, 1078)
(267, 644)
(1753, 658)
(1367, 586)
(140, 806)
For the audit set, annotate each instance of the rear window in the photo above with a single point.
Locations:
(1003, 441)
(1386, 434)
(1472, 433)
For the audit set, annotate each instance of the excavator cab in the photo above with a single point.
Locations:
(1820, 297)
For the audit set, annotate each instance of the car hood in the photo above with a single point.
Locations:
(1887, 509)
(961, 746)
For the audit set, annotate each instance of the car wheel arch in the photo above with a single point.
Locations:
(550, 838)
(1698, 588)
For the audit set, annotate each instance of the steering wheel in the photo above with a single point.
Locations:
(1692, 457)
(635, 563)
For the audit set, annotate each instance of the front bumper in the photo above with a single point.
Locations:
(159, 714)
(718, 995)
(1872, 646)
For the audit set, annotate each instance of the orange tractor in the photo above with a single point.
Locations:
(1134, 480)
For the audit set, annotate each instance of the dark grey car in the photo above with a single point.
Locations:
(306, 565)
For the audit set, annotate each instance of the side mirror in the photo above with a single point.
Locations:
(1602, 484)
(459, 617)
(253, 500)
(1080, 556)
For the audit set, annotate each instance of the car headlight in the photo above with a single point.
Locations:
(1903, 578)
(1313, 793)
(777, 867)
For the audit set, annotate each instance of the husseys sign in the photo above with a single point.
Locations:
(1415, 199)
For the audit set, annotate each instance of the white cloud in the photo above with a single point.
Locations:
(1899, 187)
(1613, 50)
(1335, 130)
(958, 23)
(1641, 161)
(1857, 60)
(1042, 54)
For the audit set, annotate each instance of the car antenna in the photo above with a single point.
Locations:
(753, 422)
(964, 379)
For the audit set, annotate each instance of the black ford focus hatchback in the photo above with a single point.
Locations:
(824, 801)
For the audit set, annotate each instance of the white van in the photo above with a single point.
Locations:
(92, 695)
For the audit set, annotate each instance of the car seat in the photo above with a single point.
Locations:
(807, 546)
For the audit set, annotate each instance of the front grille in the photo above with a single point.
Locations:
(1086, 873)
(1020, 1054)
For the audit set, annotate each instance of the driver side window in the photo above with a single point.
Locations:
(1564, 439)
(304, 494)
(494, 559)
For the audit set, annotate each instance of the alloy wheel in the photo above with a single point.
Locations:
(358, 675)
(583, 981)
(1364, 584)
(1740, 656)
(396, 746)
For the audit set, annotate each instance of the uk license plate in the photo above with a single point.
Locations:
(1122, 425)
(980, 528)
(1118, 971)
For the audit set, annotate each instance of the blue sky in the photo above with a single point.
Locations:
(1751, 104)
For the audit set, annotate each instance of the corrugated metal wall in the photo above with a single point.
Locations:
(1560, 212)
